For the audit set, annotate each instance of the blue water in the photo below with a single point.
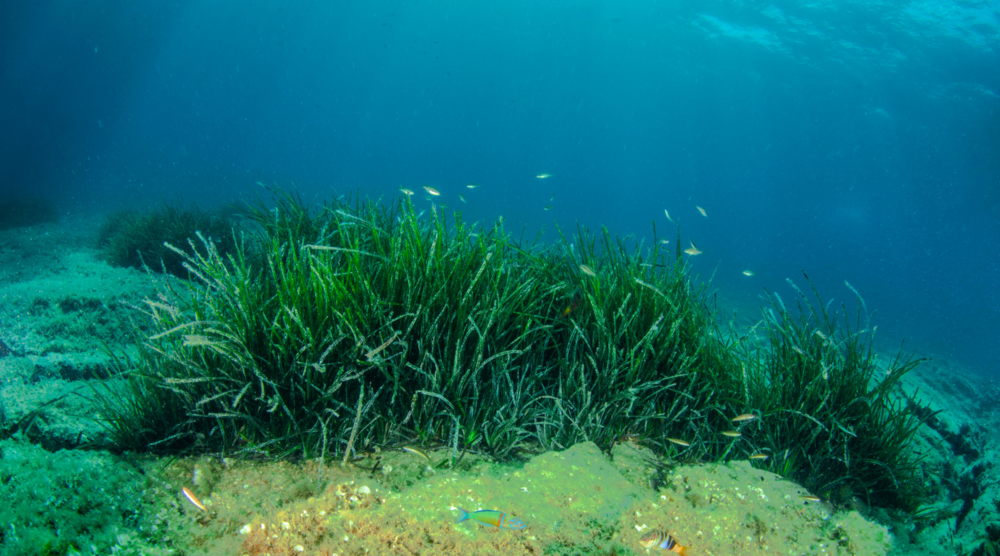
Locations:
(857, 141)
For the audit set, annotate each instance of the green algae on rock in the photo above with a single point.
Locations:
(573, 502)
(734, 508)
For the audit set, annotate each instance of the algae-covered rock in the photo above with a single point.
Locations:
(734, 508)
(571, 502)
(574, 502)
(69, 502)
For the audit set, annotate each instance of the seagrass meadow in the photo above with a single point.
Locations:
(330, 332)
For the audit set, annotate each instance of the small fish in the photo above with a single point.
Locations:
(405, 191)
(371, 354)
(668, 215)
(416, 451)
(798, 350)
(573, 304)
(759, 456)
(679, 442)
(194, 499)
(664, 241)
(431, 190)
(587, 270)
(543, 175)
(491, 517)
(462, 198)
(748, 273)
(472, 185)
(692, 250)
(821, 335)
(811, 498)
(702, 211)
(744, 417)
(731, 434)
(547, 207)
(659, 539)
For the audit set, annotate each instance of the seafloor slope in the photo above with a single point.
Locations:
(62, 492)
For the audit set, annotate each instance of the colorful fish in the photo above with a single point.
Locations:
(493, 518)
(417, 452)
(659, 539)
(193, 499)
(573, 304)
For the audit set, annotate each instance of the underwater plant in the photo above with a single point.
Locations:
(827, 412)
(70, 502)
(136, 239)
(21, 211)
(366, 325)
(331, 331)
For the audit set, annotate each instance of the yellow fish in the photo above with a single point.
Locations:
(662, 540)
(406, 191)
(417, 452)
(472, 185)
(543, 175)
(679, 442)
(702, 211)
(731, 434)
(194, 499)
(431, 190)
(668, 215)
(748, 273)
(494, 518)
(744, 417)
(573, 304)
(587, 270)
(692, 250)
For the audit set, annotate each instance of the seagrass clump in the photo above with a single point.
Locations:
(828, 416)
(344, 326)
(331, 330)
(139, 239)
(19, 211)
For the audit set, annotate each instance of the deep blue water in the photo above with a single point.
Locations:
(857, 141)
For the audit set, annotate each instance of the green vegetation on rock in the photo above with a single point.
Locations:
(21, 210)
(827, 414)
(332, 330)
(68, 502)
(137, 239)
